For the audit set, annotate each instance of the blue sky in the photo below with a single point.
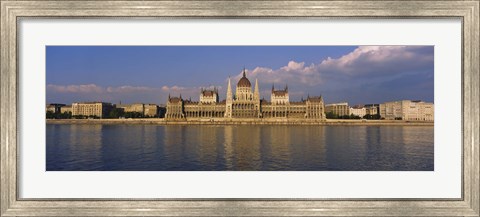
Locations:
(356, 74)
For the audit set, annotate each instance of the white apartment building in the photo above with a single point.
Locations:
(407, 110)
(339, 109)
(97, 109)
(358, 111)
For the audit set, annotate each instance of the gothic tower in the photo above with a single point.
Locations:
(256, 98)
(256, 93)
(229, 101)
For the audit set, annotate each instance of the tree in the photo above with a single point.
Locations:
(133, 115)
(352, 116)
(65, 115)
(79, 116)
(331, 115)
(50, 115)
(116, 113)
(372, 117)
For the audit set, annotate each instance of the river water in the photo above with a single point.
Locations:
(89, 147)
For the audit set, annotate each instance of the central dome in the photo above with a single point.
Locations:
(244, 82)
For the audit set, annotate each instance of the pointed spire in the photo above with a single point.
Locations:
(244, 72)
(286, 87)
(168, 95)
(229, 100)
(229, 90)
(273, 87)
(256, 93)
(180, 96)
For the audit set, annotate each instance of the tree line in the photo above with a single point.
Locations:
(331, 115)
(113, 114)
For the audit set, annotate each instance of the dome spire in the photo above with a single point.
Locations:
(244, 82)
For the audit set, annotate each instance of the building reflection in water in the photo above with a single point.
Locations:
(276, 148)
(228, 149)
(247, 147)
(308, 148)
(238, 147)
(128, 147)
(174, 146)
(78, 146)
(415, 146)
(205, 146)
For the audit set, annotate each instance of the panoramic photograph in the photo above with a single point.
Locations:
(239, 108)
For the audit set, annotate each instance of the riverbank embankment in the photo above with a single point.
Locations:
(162, 121)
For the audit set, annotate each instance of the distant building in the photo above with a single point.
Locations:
(150, 110)
(244, 104)
(209, 96)
(314, 108)
(136, 107)
(407, 110)
(372, 109)
(279, 97)
(175, 108)
(66, 109)
(207, 107)
(54, 107)
(147, 110)
(91, 109)
(340, 109)
(358, 110)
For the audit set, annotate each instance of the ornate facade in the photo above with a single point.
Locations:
(244, 104)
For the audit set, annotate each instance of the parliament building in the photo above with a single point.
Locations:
(245, 104)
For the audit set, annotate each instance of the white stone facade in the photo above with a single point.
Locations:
(209, 96)
(340, 109)
(360, 112)
(96, 109)
(407, 110)
(245, 104)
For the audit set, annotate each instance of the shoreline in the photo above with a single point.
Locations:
(162, 121)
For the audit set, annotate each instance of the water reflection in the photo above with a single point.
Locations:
(258, 148)
(76, 150)
(228, 151)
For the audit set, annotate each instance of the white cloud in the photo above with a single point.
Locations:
(173, 88)
(364, 61)
(83, 88)
(129, 89)
(93, 88)
(379, 60)
(366, 66)
(293, 72)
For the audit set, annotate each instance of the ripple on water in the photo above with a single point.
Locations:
(259, 148)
